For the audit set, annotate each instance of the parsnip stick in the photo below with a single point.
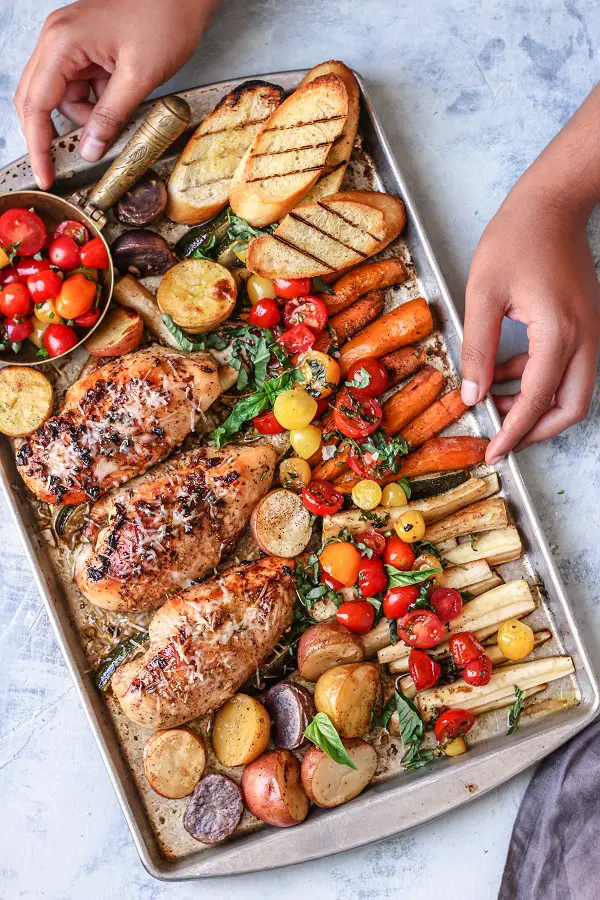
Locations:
(497, 547)
(461, 579)
(444, 546)
(485, 515)
(376, 639)
(507, 700)
(129, 292)
(482, 587)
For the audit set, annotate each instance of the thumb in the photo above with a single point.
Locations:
(483, 321)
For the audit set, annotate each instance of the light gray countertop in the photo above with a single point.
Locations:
(469, 92)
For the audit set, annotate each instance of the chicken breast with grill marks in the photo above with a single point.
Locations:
(117, 422)
(206, 641)
(171, 525)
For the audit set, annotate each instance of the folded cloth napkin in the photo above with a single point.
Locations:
(554, 853)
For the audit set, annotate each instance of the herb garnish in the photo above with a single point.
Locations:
(384, 452)
(323, 734)
(377, 521)
(411, 730)
(42, 353)
(308, 587)
(514, 715)
(249, 407)
(201, 252)
(321, 286)
(241, 232)
(185, 343)
(362, 379)
(473, 538)
(405, 485)
(399, 578)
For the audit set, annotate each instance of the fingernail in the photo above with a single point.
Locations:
(493, 460)
(38, 180)
(470, 392)
(91, 148)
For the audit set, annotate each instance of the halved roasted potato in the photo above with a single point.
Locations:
(347, 694)
(328, 783)
(26, 400)
(120, 332)
(198, 294)
(273, 791)
(174, 762)
(241, 730)
(281, 524)
(326, 645)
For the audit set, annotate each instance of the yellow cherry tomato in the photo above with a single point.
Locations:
(4, 258)
(428, 561)
(306, 441)
(259, 288)
(410, 527)
(37, 335)
(46, 312)
(393, 495)
(515, 639)
(366, 494)
(294, 473)
(456, 747)
(342, 561)
(294, 409)
(320, 372)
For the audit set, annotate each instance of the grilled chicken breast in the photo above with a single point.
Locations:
(171, 525)
(206, 641)
(117, 422)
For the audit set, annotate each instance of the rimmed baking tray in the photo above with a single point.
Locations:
(397, 800)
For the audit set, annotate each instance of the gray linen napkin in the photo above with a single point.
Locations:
(554, 853)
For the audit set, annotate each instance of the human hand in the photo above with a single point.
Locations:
(121, 49)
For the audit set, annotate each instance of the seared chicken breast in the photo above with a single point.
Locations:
(117, 422)
(171, 525)
(206, 641)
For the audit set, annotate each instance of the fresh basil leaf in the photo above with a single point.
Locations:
(201, 252)
(401, 579)
(514, 715)
(362, 379)
(321, 286)
(16, 346)
(244, 410)
(182, 339)
(42, 353)
(323, 734)
(473, 538)
(261, 360)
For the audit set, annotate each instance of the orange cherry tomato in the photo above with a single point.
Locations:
(342, 561)
(77, 297)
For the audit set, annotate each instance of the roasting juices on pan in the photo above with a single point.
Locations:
(266, 453)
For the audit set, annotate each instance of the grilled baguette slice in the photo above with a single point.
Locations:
(337, 159)
(330, 234)
(199, 185)
(288, 154)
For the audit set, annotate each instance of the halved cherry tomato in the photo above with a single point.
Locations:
(398, 554)
(9, 275)
(341, 560)
(74, 230)
(356, 418)
(375, 381)
(77, 297)
(15, 300)
(88, 319)
(58, 339)
(371, 577)
(357, 616)
(368, 464)
(424, 671)
(298, 339)
(17, 329)
(322, 405)
(464, 647)
(266, 423)
(398, 599)
(331, 582)
(30, 266)
(321, 498)
(46, 285)
(288, 288)
(93, 254)
(478, 671)
(264, 314)
(309, 311)
(22, 227)
(420, 628)
(373, 540)
(64, 253)
(447, 603)
(452, 723)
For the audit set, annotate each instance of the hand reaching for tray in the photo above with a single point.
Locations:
(121, 50)
(533, 264)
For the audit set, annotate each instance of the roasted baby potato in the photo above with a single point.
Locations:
(26, 400)
(174, 762)
(119, 332)
(292, 709)
(241, 730)
(326, 645)
(272, 789)
(281, 524)
(144, 202)
(198, 294)
(328, 783)
(214, 810)
(347, 695)
(142, 252)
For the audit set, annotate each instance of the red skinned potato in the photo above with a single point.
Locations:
(326, 645)
(292, 709)
(119, 332)
(273, 791)
(329, 783)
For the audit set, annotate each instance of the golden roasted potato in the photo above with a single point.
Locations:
(174, 762)
(347, 695)
(329, 783)
(119, 332)
(241, 730)
(26, 400)
(198, 294)
(326, 645)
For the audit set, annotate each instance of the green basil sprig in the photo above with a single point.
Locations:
(514, 715)
(248, 407)
(401, 579)
(323, 734)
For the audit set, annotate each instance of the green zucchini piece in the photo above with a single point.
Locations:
(117, 657)
(421, 488)
(67, 521)
(198, 236)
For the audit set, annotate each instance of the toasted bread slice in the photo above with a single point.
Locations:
(328, 235)
(288, 153)
(339, 155)
(199, 185)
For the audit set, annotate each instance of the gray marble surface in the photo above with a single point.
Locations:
(469, 91)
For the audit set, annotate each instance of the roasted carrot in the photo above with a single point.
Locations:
(438, 416)
(403, 363)
(364, 278)
(410, 401)
(352, 320)
(329, 469)
(404, 325)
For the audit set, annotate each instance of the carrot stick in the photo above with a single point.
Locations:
(404, 325)
(352, 320)
(403, 363)
(412, 399)
(438, 416)
(329, 469)
(364, 278)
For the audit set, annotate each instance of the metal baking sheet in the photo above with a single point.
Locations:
(396, 800)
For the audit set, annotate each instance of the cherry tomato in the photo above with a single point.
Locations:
(89, 318)
(398, 599)
(447, 603)
(478, 671)
(341, 560)
(452, 723)
(371, 577)
(373, 540)
(45, 286)
(9, 275)
(398, 554)
(94, 255)
(264, 314)
(464, 647)
(17, 329)
(322, 405)
(331, 582)
(421, 628)
(266, 423)
(15, 300)
(424, 671)
(356, 418)
(288, 288)
(357, 616)
(298, 339)
(376, 378)
(321, 498)
(368, 464)
(59, 339)
(64, 253)
(74, 230)
(77, 297)
(29, 266)
(309, 311)
(22, 227)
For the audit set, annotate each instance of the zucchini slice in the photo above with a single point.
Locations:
(421, 488)
(197, 238)
(117, 656)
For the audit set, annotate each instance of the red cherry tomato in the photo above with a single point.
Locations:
(464, 647)
(309, 311)
(298, 339)
(398, 554)
(16, 330)
(74, 230)
(452, 723)
(58, 339)
(64, 253)
(357, 616)
(266, 423)
(15, 300)
(356, 418)
(29, 266)
(45, 286)
(321, 498)
(264, 314)
(398, 599)
(424, 671)
(9, 275)
(288, 288)
(371, 577)
(421, 628)
(377, 377)
(447, 603)
(373, 540)
(322, 405)
(478, 671)
(89, 318)
(22, 227)
(330, 581)
(367, 464)
(94, 255)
